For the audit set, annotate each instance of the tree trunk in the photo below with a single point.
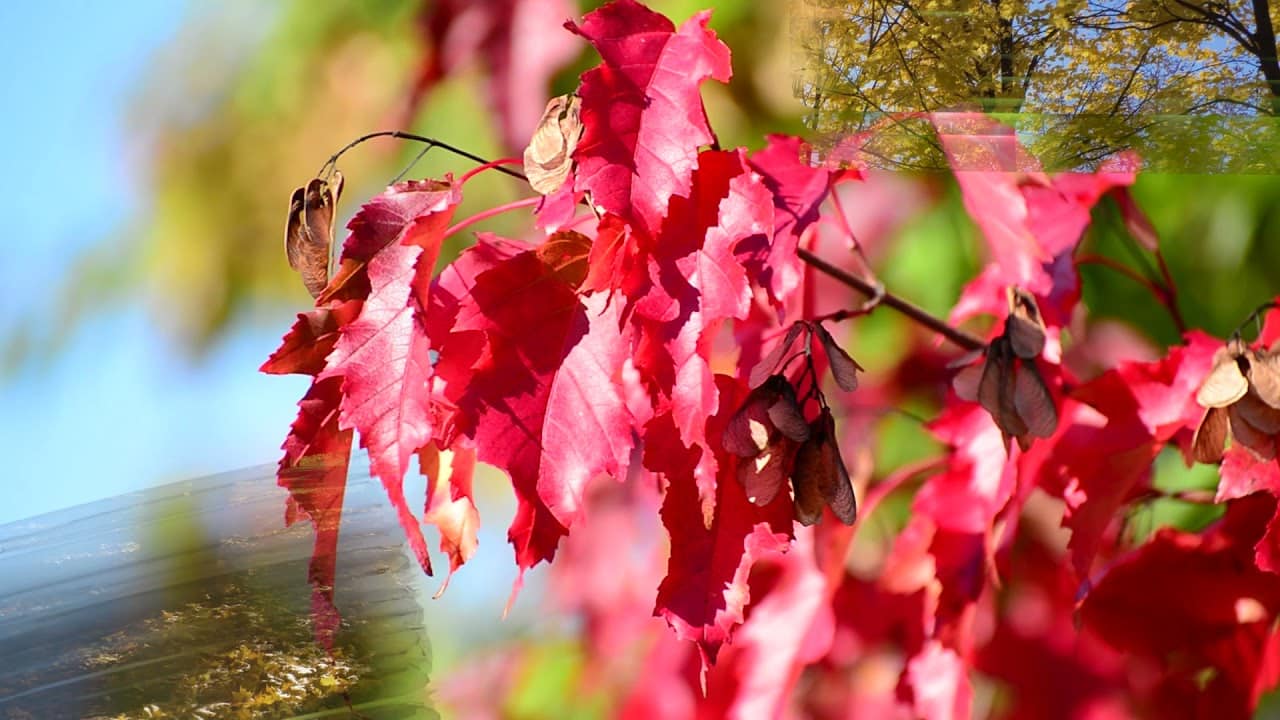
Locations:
(1264, 38)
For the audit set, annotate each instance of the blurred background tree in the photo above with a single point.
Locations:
(261, 112)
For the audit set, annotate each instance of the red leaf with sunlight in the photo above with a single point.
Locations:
(450, 506)
(1111, 430)
(939, 682)
(705, 591)
(642, 116)
(542, 396)
(695, 282)
(311, 339)
(314, 471)
(798, 190)
(1244, 474)
(382, 355)
(790, 625)
(1215, 610)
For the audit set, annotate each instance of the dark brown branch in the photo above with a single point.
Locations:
(430, 142)
(911, 310)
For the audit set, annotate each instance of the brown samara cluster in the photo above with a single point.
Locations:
(1242, 397)
(1007, 383)
(775, 441)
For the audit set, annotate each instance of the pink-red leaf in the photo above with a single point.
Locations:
(382, 356)
(940, 683)
(542, 393)
(642, 116)
(798, 190)
(450, 506)
(705, 591)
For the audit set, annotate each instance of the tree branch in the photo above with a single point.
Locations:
(911, 310)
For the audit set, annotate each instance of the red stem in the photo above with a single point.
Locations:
(491, 212)
(1162, 293)
(491, 165)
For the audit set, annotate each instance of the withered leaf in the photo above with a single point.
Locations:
(308, 236)
(1211, 435)
(820, 477)
(549, 156)
(566, 252)
(1224, 385)
(769, 364)
(843, 368)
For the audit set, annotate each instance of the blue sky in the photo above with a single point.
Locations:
(118, 409)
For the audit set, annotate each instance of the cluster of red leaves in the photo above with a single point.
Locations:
(590, 353)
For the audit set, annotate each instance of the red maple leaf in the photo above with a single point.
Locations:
(1110, 431)
(791, 625)
(1216, 610)
(1031, 221)
(798, 190)
(642, 116)
(382, 355)
(705, 591)
(535, 374)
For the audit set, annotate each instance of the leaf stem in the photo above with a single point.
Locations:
(911, 310)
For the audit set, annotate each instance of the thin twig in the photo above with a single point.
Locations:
(916, 313)
(431, 142)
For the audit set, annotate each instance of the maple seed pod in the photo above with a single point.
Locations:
(768, 411)
(762, 476)
(1225, 383)
(1241, 395)
(308, 238)
(819, 478)
(1211, 435)
(769, 364)
(1024, 327)
(843, 367)
(1264, 376)
(549, 156)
